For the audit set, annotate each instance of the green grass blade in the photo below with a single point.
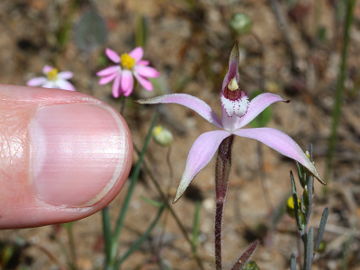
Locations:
(196, 226)
(321, 230)
(309, 249)
(106, 233)
(136, 245)
(293, 262)
(132, 183)
(340, 86)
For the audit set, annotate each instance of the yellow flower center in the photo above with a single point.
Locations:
(52, 74)
(127, 61)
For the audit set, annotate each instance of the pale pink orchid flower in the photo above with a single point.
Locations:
(128, 66)
(237, 112)
(53, 79)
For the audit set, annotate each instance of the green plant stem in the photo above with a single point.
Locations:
(164, 198)
(132, 183)
(308, 248)
(135, 246)
(339, 94)
(196, 226)
(106, 226)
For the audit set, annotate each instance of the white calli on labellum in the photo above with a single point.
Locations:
(237, 112)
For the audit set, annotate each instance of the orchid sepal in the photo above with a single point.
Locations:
(189, 101)
(282, 143)
(200, 154)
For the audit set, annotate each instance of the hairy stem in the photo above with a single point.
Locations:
(222, 168)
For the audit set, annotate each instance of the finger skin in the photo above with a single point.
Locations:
(20, 205)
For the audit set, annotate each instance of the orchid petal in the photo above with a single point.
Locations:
(233, 70)
(137, 53)
(144, 82)
(113, 56)
(256, 106)
(116, 86)
(47, 69)
(191, 102)
(199, 156)
(280, 142)
(107, 79)
(108, 70)
(127, 81)
(65, 75)
(37, 81)
(65, 85)
(147, 71)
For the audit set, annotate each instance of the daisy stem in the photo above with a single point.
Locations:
(222, 169)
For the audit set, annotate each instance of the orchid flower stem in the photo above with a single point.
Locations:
(339, 94)
(222, 169)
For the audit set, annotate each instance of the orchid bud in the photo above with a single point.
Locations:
(162, 136)
(290, 206)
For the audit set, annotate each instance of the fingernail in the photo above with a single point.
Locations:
(77, 153)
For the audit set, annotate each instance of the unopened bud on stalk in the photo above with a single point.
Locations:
(162, 136)
(241, 23)
(290, 206)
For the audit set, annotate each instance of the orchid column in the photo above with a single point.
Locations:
(237, 112)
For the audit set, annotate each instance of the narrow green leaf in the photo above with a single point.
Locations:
(196, 226)
(133, 179)
(141, 32)
(293, 262)
(309, 198)
(321, 230)
(106, 226)
(309, 249)
(295, 199)
(300, 172)
(137, 244)
(151, 201)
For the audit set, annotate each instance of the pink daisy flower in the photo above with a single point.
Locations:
(129, 65)
(53, 79)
